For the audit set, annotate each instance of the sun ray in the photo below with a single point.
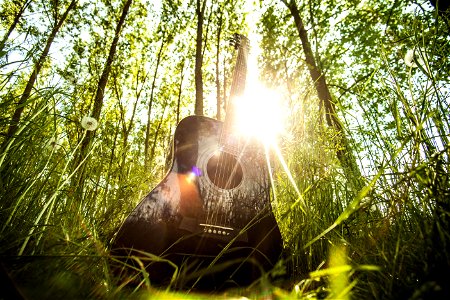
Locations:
(272, 181)
(262, 114)
(300, 198)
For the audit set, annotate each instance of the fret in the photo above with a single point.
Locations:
(237, 89)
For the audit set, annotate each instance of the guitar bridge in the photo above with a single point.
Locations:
(217, 230)
(214, 231)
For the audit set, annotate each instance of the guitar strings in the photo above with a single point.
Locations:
(227, 169)
(217, 209)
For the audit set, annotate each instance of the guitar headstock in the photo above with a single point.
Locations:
(240, 41)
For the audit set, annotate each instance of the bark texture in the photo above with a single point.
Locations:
(20, 106)
(99, 96)
(14, 23)
(200, 11)
(344, 152)
(100, 92)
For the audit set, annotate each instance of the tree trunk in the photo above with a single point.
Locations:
(224, 95)
(200, 11)
(180, 89)
(15, 119)
(150, 104)
(126, 129)
(110, 164)
(219, 31)
(155, 138)
(344, 151)
(14, 23)
(98, 101)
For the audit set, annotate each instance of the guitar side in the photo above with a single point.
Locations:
(198, 208)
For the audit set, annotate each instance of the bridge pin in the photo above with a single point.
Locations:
(219, 232)
(209, 230)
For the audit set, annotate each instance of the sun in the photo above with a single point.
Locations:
(259, 113)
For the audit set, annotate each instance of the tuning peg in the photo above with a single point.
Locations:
(235, 40)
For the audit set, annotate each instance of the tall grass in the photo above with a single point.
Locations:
(391, 238)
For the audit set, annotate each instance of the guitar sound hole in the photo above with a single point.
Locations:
(224, 171)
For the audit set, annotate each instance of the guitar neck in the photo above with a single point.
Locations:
(237, 87)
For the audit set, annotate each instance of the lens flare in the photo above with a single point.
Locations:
(259, 114)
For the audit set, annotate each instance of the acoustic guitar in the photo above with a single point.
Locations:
(210, 218)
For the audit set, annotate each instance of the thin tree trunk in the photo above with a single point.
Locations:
(150, 104)
(344, 151)
(16, 117)
(14, 23)
(127, 129)
(155, 138)
(200, 11)
(224, 96)
(108, 176)
(98, 100)
(205, 28)
(219, 99)
(180, 89)
(169, 149)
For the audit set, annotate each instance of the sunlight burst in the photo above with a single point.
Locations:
(259, 111)
(259, 114)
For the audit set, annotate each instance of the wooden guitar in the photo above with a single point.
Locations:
(211, 215)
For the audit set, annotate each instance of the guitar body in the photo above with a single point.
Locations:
(210, 214)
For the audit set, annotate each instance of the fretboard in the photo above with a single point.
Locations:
(237, 89)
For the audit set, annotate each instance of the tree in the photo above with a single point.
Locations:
(99, 95)
(344, 151)
(16, 117)
(218, 40)
(200, 12)
(20, 10)
(164, 40)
